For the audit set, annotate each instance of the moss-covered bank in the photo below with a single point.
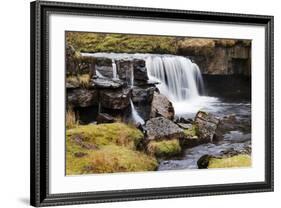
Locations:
(106, 148)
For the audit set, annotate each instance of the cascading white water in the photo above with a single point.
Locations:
(99, 74)
(135, 116)
(114, 70)
(180, 79)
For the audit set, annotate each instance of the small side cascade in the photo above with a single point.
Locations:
(135, 115)
(114, 70)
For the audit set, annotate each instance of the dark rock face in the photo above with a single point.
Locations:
(124, 69)
(162, 128)
(143, 94)
(221, 59)
(104, 66)
(106, 83)
(140, 71)
(115, 99)
(105, 118)
(82, 97)
(161, 106)
(207, 124)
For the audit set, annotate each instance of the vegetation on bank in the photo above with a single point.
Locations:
(165, 148)
(79, 80)
(124, 43)
(106, 148)
(242, 160)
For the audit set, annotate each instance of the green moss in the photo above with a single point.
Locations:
(235, 161)
(109, 159)
(191, 132)
(104, 134)
(105, 148)
(164, 148)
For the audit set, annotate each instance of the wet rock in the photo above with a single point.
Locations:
(145, 83)
(185, 125)
(105, 118)
(184, 120)
(82, 97)
(203, 161)
(162, 128)
(124, 68)
(207, 124)
(143, 94)
(105, 83)
(140, 71)
(115, 99)
(161, 106)
(104, 66)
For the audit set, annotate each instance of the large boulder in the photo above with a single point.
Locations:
(161, 106)
(206, 124)
(161, 128)
(82, 97)
(117, 99)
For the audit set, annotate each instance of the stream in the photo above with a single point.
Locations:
(236, 140)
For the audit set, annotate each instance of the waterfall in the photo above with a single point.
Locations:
(114, 70)
(99, 74)
(132, 77)
(180, 79)
(136, 117)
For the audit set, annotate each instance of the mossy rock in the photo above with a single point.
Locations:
(164, 148)
(231, 162)
(108, 159)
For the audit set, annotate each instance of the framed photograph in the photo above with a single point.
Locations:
(131, 103)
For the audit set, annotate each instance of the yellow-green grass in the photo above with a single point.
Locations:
(81, 80)
(70, 118)
(106, 148)
(164, 148)
(122, 43)
(110, 159)
(103, 134)
(242, 160)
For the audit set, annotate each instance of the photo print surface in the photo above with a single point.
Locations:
(139, 103)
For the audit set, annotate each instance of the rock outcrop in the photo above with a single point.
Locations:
(161, 106)
(115, 99)
(161, 128)
(79, 97)
(206, 124)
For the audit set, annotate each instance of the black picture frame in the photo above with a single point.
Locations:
(39, 176)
